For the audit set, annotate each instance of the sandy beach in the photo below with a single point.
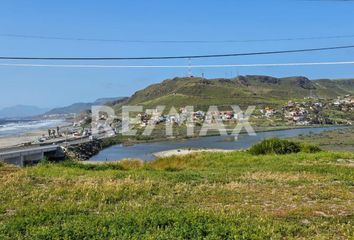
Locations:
(18, 140)
(182, 152)
(32, 136)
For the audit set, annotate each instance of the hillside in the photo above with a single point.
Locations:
(80, 107)
(21, 111)
(243, 90)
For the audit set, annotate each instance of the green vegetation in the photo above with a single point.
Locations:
(275, 146)
(261, 91)
(309, 148)
(335, 140)
(202, 196)
(281, 146)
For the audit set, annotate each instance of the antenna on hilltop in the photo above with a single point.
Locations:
(189, 67)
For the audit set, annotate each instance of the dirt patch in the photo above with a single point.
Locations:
(345, 162)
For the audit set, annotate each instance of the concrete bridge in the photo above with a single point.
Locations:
(28, 155)
(24, 155)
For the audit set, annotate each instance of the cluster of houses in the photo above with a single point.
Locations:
(295, 112)
(311, 111)
(344, 104)
(304, 113)
(184, 115)
(269, 112)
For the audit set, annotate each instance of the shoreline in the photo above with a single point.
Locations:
(257, 130)
(167, 153)
(183, 152)
(28, 137)
(186, 150)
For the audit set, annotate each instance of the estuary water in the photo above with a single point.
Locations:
(145, 151)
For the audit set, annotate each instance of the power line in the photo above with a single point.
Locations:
(43, 37)
(178, 66)
(177, 57)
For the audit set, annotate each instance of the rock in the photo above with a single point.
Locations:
(84, 151)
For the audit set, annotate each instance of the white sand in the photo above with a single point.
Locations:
(32, 136)
(18, 140)
(182, 152)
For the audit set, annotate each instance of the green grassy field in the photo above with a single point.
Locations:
(202, 196)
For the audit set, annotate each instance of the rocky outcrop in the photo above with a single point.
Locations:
(84, 151)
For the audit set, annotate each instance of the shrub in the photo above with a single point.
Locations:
(282, 146)
(310, 148)
(275, 146)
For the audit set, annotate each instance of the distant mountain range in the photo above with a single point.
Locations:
(80, 107)
(25, 111)
(242, 90)
(21, 111)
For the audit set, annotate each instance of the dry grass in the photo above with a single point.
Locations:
(218, 196)
(282, 177)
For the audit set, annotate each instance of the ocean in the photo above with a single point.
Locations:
(10, 128)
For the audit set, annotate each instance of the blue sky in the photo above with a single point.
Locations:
(161, 20)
